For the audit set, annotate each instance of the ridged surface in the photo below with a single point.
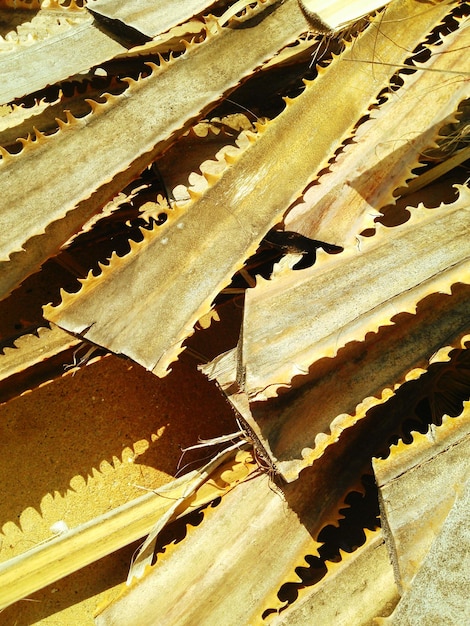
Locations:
(386, 148)
(398, 267)
(418, 484)
(148, 118)
(223, 227)
(298, 539)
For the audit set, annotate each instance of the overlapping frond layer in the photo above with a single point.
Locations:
(175, 275)
(26, 23)
(25, 574)
(330, 15)
(55, 58)
(387, 147)
(297, 428)
(22, 121)
(439, 590)
(149, 19)
(418, 484)
(30, 354)
(397, 268)
(354, 590)
(121, 136)
(269, 551)
(205, 563)
(335, 362)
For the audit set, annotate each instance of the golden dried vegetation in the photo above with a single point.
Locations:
(234, 217)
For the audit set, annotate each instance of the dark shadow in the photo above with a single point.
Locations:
(318, 496)
(10, 19)
(335, 386)
(72, 98)
(92, 580)
(361, 511)
(111, 233)
(123, 33)
(392, 169)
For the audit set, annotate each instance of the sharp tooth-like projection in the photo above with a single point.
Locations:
(49, 115)
(425, 497)
(24, 23)
(418, 485)
(149, 116)
(208, 146)
(211, 239)
(245, 556)
(386, 148)
(55, 57)
(217, 563)
(149, 18)
(398, 266)
(298, 427)
(36, 353)
(205, 564)
(14, 117)
(25, 574)
(354, 591)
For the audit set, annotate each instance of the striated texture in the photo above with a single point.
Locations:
(387, 147)
(328, 15)
(33, 353)
(165, 217)
(423, 493)
(148, 116)
(439, 592)
(398, 267)
(298, 427)
(271, 531)
(356, 590)
(55, 58)
(212, 237)
(269, 535)
(84, 544)
(150, 18)
(418, 484)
